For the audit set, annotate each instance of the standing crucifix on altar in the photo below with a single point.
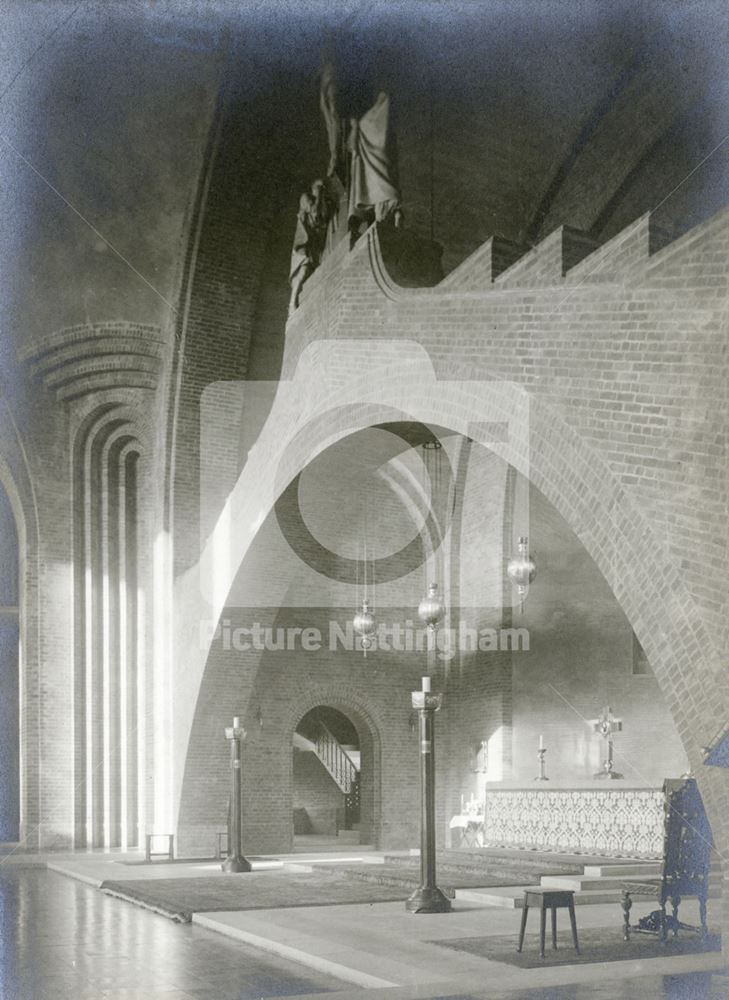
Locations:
(606, 725)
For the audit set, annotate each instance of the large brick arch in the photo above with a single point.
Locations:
(22, 504)
(542, 446)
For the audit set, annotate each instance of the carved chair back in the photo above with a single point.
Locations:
(687, 841)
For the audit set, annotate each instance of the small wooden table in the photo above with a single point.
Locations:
(546, 899)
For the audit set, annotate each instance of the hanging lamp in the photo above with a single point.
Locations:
(364, 625)
(431, 608)
(522, 569)
(364, 620)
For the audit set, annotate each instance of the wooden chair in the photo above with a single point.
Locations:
(687, 848)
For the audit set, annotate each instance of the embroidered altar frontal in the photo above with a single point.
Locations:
(618, 822)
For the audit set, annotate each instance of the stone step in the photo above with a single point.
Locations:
(582, 883)
(587, 883)
(495, 862)
(643, 869)
(348, 836)
(512, 897)
(638, 869)
(500, 874)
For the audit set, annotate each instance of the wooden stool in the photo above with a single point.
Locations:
(548, 899)
(169, 853)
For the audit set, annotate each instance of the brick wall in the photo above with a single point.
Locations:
(316, 795)
(622, 439)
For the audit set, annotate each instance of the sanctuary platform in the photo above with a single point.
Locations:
(600, 817)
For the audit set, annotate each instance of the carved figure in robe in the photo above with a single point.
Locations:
(362, 158)
(314, 212)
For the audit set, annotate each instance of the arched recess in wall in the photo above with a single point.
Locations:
(10, 668)
(109, 676)
(24, 617)
(350, 704)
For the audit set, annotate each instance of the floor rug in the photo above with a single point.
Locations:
(601, 944)
(407, 877)
(179, 898)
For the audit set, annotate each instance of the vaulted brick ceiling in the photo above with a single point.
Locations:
(510, 117)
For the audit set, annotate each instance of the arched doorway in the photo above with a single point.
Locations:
(333, 779)
(327, 779)
(9, 673)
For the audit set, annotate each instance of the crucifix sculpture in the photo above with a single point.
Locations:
(606, 725)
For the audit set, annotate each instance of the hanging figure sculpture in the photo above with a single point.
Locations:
(361, 185)
(362, 160)
(312, 218)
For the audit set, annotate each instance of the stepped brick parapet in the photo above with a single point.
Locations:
(548, 262)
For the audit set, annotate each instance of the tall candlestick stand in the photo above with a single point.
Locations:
(427, 898)
(235, 862)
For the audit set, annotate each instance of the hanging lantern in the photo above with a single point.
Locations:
(430, 609)
(521, 570)
(364, 625)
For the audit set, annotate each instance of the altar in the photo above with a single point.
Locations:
(599, 817)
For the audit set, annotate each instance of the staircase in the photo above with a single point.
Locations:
(343, 770)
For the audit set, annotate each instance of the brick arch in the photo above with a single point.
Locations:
(108, 789)
(566, 468)
(363, 715)
(114, 356)
(22, 504)
(23, 522)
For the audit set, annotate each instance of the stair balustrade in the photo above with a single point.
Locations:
(336, 760)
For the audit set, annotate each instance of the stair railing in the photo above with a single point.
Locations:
(335, 759)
